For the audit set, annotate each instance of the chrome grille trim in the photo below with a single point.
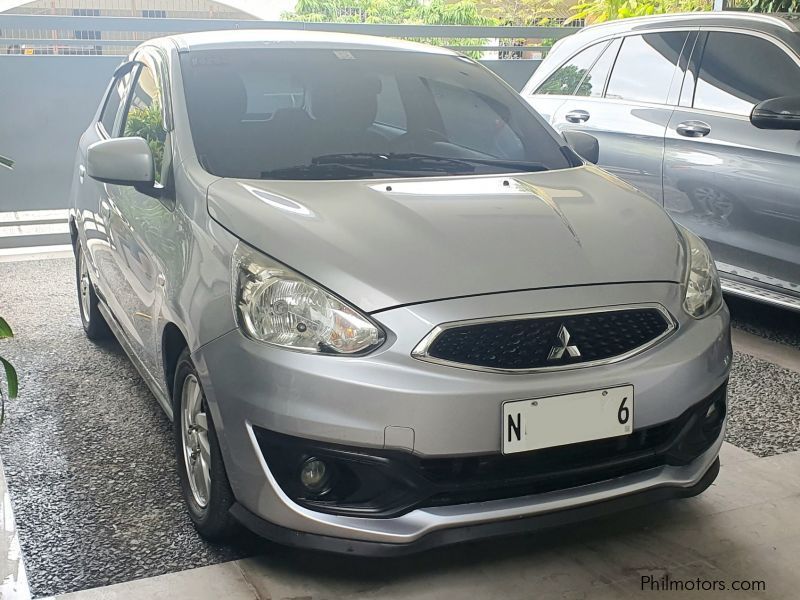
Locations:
(420, 351)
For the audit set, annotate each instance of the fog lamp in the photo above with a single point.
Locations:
(314, 475)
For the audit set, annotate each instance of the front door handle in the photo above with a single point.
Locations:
(577, 116)
(693, 129)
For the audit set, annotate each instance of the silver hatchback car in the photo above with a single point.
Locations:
(701, 112)
(386, 306)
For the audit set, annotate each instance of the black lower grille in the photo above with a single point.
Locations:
(542, 342)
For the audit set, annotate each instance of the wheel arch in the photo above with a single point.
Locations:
(173, 343)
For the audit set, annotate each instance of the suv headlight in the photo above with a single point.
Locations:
(703, 294)
(275, 305)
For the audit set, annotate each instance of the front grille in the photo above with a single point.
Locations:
(550, 341)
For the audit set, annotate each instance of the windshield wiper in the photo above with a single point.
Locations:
(414, 160)
(332, 170)
(392, 162)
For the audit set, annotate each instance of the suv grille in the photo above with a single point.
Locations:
(551, 341)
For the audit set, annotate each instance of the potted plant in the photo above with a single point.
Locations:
(6, 332)
(10, 373)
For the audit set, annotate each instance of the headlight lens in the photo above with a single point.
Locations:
(703, 294)
(275, 305)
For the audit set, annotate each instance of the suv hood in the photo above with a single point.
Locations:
(379, 244)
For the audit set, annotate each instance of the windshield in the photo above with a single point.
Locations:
(354, 114)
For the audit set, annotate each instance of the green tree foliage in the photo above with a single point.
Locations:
(520, 12)
(775, 6)
(599, 11)
(414, 12)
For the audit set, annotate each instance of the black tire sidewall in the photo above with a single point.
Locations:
(94, 324)
(213, 521)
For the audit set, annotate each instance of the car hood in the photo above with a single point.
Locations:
(381, 244)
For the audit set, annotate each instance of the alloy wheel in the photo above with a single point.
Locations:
(196, 450)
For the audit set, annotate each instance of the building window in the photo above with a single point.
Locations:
(154, 14)
(85, 34)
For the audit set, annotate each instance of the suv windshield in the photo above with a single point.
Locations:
(354, 114)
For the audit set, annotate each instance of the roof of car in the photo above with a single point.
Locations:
(293, 38)
(783, 26)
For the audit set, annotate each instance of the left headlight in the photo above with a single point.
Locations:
(275, 305)
(703, 294)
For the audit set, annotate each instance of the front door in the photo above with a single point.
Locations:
(629, 118)
(736, 186)
(142, 226)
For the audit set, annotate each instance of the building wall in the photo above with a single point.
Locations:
(186, 9)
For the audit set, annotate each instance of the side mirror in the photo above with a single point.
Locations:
(584, 144)
(777, 113)
(122, 161)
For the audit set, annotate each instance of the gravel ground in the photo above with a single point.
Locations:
(88, 452)
(774, 324)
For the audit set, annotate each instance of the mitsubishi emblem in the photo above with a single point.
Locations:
(557, 351)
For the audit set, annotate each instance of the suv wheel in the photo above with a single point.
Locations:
(93, 322)
(204, 483)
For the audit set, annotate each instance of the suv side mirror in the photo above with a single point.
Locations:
(584, 144)
(777, 113)
(122, 161)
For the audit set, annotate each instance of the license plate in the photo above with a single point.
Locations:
(567, 419)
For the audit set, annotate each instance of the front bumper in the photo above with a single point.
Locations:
(389, 400)
(515, 525)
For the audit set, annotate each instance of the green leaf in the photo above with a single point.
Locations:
(11, 378)
(5, 329)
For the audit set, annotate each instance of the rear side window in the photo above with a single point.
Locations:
(645, 66)
(567, 78)
(738, 71)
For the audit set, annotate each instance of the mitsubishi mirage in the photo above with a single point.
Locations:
(702, 112)
(385, 305)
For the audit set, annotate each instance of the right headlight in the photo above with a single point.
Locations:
(278, 306)
(702, 292)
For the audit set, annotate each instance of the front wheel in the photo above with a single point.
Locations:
(204, 482)
(92, 320)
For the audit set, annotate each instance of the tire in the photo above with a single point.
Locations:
(92, 319)
(208, 501)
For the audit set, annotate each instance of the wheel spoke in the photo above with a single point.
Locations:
(204, 478)
(201, 421)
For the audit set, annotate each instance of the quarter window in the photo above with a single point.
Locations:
(595, 80)
(144, 116)
(113, 105)
(567, 78)
(738, 71)
(645, 66)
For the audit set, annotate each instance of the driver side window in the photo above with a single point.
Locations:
(144, 117)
